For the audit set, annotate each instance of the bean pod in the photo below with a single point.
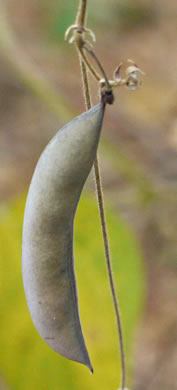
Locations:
(47, 251)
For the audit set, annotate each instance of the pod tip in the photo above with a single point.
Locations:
(90, 368)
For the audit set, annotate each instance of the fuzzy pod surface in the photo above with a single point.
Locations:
(47, 250)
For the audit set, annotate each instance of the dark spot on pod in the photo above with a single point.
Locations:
(49, 338)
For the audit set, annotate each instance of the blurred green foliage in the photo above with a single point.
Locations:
(65, 18)
(26, 362)
(57, 17)
(122, 15)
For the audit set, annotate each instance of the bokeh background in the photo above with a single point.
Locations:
(40, 90)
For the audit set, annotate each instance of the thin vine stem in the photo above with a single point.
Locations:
(109, 267)
(100, 66)
(81, 18)
(86, 89)
(92, 70)
(81, 14)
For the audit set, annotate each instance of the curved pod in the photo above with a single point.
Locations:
(47, 252)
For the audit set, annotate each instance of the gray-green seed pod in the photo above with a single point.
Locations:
(47, 252)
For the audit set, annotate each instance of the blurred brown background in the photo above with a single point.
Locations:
(40, 89)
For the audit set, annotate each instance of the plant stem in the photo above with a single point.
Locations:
(81, 14)
(109, 268)
(86, 89)
(81, 18)
(100, 66)
(90, 67)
